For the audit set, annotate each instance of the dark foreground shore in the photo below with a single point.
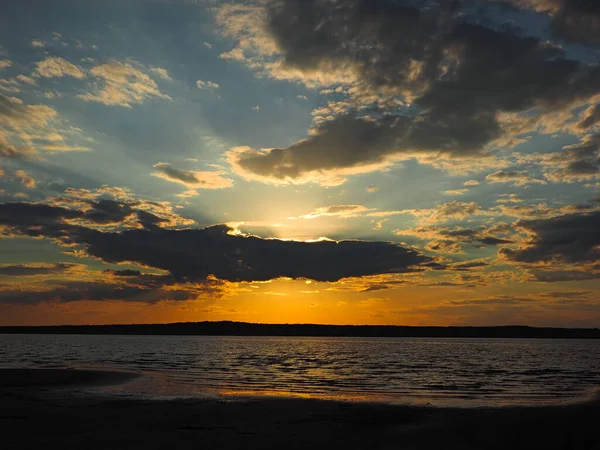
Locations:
(36, 413)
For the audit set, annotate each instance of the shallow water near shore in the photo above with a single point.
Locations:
(441, 372)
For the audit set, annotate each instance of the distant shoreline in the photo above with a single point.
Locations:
(310, 330)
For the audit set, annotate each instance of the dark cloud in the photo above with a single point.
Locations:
(566, 294)
(577, 21)
(196, 254)
(125, 285)
(466, 265)
(444, 246)
(149, 220)
(553, 276)
(183, 176)
(570, 238)
(192, 179)
(499, 300)
(590, 118)
(34, 219)
(106, 212)
(14, 270)
(338, 143)
(460, 76)
(72, 291)
(64, 217)
(490, 240)
(576, 162)
(125, 273)
(450, 240)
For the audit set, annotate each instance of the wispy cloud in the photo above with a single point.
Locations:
(191, 178)
(56, 67)
(121, 84)
(162, 73)
(206, 85)
(26, 180)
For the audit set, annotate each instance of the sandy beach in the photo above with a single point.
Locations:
(36, 412)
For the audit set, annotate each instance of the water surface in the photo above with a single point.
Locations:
(441, 371)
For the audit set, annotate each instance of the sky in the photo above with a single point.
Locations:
(300, 161)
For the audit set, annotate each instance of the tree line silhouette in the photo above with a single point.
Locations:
(228, 328)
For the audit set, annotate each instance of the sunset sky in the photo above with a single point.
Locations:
(344, 162)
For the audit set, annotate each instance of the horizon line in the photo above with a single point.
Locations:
(295, 324)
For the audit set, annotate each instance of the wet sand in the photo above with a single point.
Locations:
(35, 412)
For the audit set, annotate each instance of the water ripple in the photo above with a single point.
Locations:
(472, 371)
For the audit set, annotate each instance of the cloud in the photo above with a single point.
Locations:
(526, 211)
(192, 179)
(74, 291)
(10, 151)
(196, 254)
(450, 239)
(471, 183)
(545, 309)
(444, 246)
(573, 21)
(36, 43)
(162, 73)
(378, 224)
(518, 178)
(333, 146)
(441, 213)
(111, 191)
(591, 117)
(16, 115)
(4, 63)
(143, 288)
(509, 198)
(188, 194)
(341, 211)
(456, 191)
(468, 265)
(32, 269)
(575, 162)
(122, 84)
(253, 259)
(64, 148)
(565, 239)
(236, 54)
(417, 82)
(57, 67)
(206, 85)
(564, 274)
(372, 188)
(10, 86)
(447, 211)
(25, 79)
(62, 218)
(26, 180)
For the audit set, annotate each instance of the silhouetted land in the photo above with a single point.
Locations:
(38, 416)
(227, 328)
